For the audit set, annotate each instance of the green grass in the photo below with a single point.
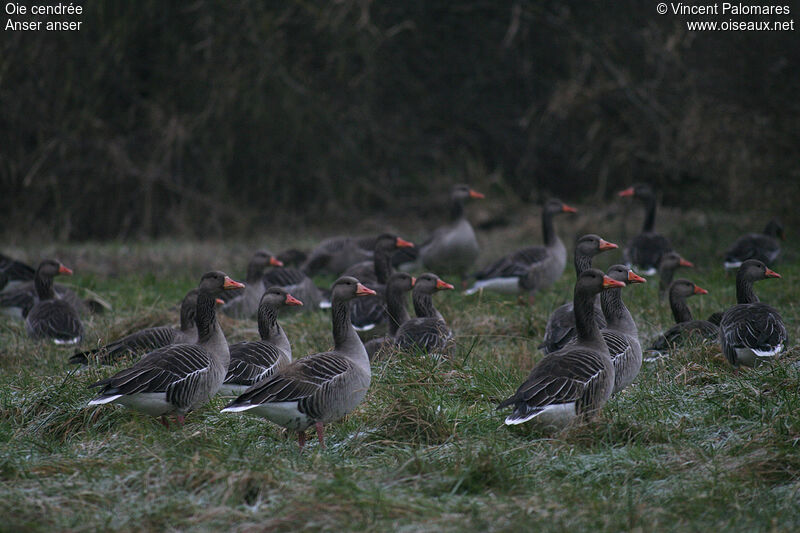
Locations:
(689, 446)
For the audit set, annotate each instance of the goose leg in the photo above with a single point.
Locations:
(320, 435)
(301, 439)
(180, 419)
(165, 421)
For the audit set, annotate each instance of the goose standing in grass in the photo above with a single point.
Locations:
(368, 312)
(452, 247)
(429, 331)
(751, 331)
(685, 326)
(395, 296)
(179, 378)
(529, 269)
(148, 339)
(560, 327)
(762, 246)
(51, 317)
(621, 334)
(244, 303)
(645, 250)
(670, 262)
(253, 361)
(576, 381)
(319, 388)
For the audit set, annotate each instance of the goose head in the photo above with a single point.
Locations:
(684, 288)
(592, 245)
(51, 268)
(278, 297)
(429, 283)
(388, 242)
(347, 288)
(624, 274)
(755, 270)
(401, 281)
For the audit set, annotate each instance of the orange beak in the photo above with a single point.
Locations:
(274, 261)
(64, 270)
(291, 300)
(699, 290)
(684, 263)
(771, 274)
(219, 301)
(609, 283)
(633, 277)
(475, 194)
(364, 291)
(230, 284)
(413, 281)
(605, 245)
(568, 209)
(627, 192)
(443, 285)
(402, 243)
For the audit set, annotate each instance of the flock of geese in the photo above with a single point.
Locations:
(591, 343)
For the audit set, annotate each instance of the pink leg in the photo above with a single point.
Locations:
(320, 435)
(531, 299)
(301, 439)
(165, 421)
(180, 419)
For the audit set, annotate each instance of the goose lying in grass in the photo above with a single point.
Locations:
(52, 317)
(752, 332)
(428, 331)
(685, 328)
(763, 246)
(645, 250)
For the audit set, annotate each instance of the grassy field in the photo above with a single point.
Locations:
(689, 446)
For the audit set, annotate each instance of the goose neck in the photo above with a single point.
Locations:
(383, 266)
(583, 262)
(650, 213)
(206, 317)
(680, 310)
(423, 305)
(395, 308)
(617, 315)
(548, 231)
(585, 324)
(744, 289)
(44, 286)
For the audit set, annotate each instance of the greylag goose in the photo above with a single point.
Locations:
(451, 247)
(670, 261)
(429, 331)
(398, 285)
(253, 361)
(368, 312)
(751, 331)
(337, 254)
(148, 339)
(529, 269)
(179, 378)
(685, 327)
(577, 380)
(51, 317)
(244, 303)
(319, 388)
(645, 250)
(621, 334)
(762, 246)
(560, 327)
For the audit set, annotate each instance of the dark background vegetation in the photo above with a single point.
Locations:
(203, 117)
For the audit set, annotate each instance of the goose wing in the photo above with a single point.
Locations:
(176, 370)
(253, 361)
(304, 381)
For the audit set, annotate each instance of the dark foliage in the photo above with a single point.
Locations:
(190, 117)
